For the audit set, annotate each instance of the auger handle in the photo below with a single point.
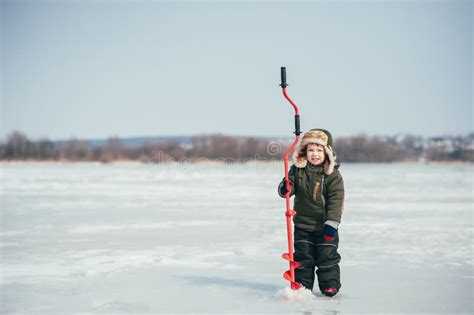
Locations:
(283, 77)
(297, 112)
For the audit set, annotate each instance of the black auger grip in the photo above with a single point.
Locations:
(283, 77)
(297, 125)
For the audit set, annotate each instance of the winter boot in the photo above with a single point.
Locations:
(330, 291)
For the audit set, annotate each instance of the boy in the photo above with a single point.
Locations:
(319, 197)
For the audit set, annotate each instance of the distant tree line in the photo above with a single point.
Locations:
(359, 148)
(362, 148)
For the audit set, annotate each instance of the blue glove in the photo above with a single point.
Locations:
(329, 232)
(283, 189)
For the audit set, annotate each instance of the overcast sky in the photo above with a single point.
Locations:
(92, 69)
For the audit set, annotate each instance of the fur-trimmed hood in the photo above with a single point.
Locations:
(321, 137)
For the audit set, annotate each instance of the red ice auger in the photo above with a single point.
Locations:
(290, 274)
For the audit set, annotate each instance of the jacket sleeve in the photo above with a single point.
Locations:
(292, 177)
(335, 197)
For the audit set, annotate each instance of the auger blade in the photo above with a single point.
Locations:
(295, 264)
(294, 285)
(287, 276)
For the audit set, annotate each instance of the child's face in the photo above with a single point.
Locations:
(315, 154)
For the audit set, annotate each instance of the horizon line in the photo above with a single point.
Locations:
(4, 138)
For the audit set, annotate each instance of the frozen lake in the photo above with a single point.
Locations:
(136, 238)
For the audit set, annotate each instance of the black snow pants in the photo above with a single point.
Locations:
(312, 250)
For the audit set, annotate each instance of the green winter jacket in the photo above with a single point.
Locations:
(318, 197)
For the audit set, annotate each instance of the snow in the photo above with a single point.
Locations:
(208, 239)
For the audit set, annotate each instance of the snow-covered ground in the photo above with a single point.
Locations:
(136, 238)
